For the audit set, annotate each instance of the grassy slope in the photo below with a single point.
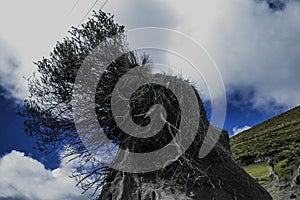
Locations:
(276, 140)
(259, 171)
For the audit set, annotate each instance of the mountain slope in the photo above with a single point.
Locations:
(276, 140)
(270, 153)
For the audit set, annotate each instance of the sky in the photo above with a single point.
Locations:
(256, 50)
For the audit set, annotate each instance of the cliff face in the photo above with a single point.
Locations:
(217, 176)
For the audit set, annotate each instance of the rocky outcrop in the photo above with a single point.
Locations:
(189, 177)
(217, 176)
(295, 186)
(281, 189)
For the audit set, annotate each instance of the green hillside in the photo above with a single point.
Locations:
(274, 142)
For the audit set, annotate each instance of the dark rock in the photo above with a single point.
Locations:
(220, 178)
(217, 176)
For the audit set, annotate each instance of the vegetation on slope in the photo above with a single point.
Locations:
(275, 141)
(259, 171)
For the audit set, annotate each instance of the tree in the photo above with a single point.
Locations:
(48, 110)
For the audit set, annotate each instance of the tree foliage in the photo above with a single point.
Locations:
(48, 110)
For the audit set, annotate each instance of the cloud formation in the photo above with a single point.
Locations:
(258, 49)
(9, 67)
(254, 47)
(30, 30)
(236, 130)
(25, 178)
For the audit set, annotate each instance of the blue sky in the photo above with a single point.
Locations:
(255, 48)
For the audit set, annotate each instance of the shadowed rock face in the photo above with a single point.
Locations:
(217, 176)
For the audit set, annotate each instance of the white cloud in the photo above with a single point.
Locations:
(237, 130)
(8, 70)
(135, 14)
(253, 46)
(27, 178)
(259, 49)
(31, 29)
